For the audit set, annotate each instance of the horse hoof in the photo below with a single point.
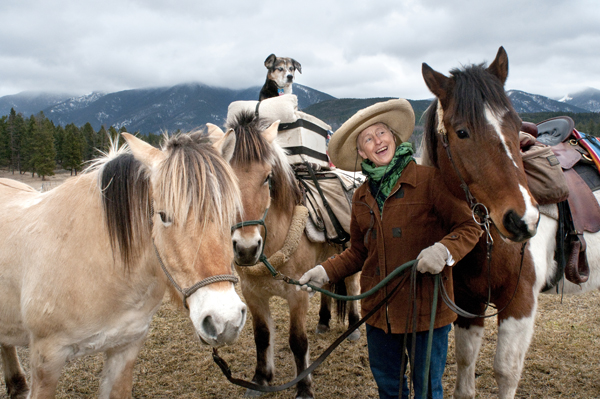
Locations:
(250, 393)
(354, 336)
(322, 329)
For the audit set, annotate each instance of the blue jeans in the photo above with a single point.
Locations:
(385, 354)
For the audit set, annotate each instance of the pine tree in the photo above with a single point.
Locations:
(42, 160)
(15, 130)
(4, 142)
(91, 141)
(72, 149)
(103, 141)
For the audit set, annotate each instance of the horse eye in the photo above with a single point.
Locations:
(163, 218)
(267, 179)
(462, 134)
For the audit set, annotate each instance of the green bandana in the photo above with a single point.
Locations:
(383, 178)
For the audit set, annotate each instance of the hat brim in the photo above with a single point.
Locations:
(397, 114)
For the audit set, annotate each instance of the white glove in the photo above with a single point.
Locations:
(432, 259)
(316, 276)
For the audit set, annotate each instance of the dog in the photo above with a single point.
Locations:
(280, 76)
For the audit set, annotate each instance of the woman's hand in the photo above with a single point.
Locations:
(317, 276)
(432, 259)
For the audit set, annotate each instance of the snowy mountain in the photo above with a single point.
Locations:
(526, 103)
(192, 105)
(588, 99)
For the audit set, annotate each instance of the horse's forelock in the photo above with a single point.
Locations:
(475, 88)
(251, 147)
(194, 177)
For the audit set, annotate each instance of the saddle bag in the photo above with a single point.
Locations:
(545, 176)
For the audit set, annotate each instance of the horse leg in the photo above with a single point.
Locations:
(46, 363)
(353, 289)
(263, 339)
(298, 303)
(14, 376)
(468, 334)
(117, 375)
(514, 337)
(324, 314)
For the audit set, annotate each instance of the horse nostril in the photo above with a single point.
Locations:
(209, 327)
(515, 225)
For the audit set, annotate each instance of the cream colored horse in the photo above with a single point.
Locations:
(80, 265)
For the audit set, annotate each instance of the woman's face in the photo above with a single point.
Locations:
(376, 143)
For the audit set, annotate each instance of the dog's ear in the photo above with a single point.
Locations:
(297, 65)
(270, 61)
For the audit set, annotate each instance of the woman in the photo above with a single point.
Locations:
(402, 212)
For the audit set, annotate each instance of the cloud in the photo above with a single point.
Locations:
(347, 48)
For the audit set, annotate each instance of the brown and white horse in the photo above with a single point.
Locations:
(80, 265)
(267, 181)
(473, 117)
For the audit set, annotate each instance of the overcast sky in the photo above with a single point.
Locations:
(347, 48)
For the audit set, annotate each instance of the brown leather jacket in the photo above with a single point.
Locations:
(419, 212)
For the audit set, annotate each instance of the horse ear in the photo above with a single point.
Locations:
(214, 132)
(270, 134)
(270, 61)
(436, 82)
(225, 144)
(142, 151)
(499, 67)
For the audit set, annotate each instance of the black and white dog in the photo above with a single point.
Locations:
(280, 76)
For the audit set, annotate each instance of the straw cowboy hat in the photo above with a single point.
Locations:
(398, 115)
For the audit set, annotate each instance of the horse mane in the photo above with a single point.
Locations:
(251, 147)
(473, 89)
(192, 178)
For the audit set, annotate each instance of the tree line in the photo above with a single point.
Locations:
(36, 145)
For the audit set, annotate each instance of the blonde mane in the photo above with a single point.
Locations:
(193, 177)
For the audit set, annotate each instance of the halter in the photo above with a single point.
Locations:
(482, 217)
(187, 292)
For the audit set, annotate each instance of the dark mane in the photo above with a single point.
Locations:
(125, 199)
(251, 147)
(473, 88)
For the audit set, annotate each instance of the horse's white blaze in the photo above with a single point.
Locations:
(218, 316)
(514, 337)
(532, 214)
(493, 120)
(467, 346)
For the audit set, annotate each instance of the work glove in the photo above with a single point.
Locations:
(316, 276)
(432, 259)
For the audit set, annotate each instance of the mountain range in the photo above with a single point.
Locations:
(191, 105)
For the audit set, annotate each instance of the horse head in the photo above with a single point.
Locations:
(194, 198)
(471, 134)
(265, 180)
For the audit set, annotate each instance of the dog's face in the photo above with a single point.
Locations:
(282, 70)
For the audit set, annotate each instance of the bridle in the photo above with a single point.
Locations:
(482, 217)
(187, 292)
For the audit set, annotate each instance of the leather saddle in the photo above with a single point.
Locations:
(581, 211)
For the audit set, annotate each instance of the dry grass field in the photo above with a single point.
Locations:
(562, 362)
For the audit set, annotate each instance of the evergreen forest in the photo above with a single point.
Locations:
(36, 145)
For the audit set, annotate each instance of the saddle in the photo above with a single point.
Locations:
(328, 197)
(580, 212)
